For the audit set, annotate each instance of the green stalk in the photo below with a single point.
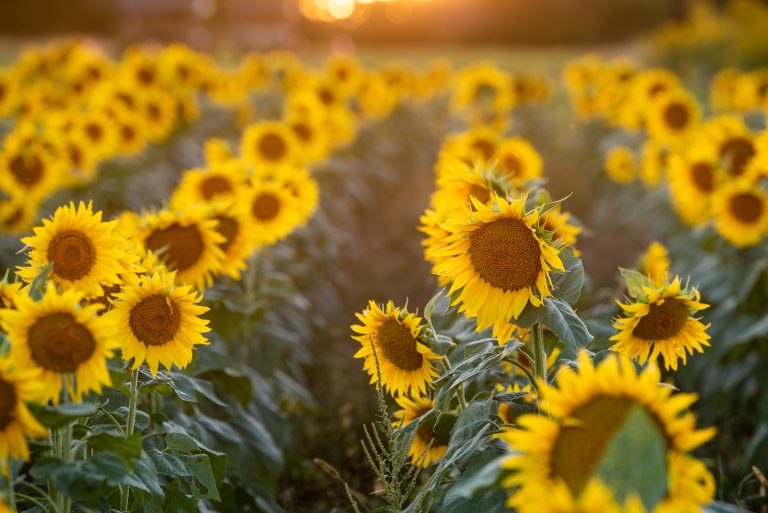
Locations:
(539, 351)
(66, 445)
(10, 497)
(125, 491)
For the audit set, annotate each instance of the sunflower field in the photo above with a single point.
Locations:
(451, 281)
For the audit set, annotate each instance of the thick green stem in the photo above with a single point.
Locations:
(125, 491)
(539, 352)
(65, 453)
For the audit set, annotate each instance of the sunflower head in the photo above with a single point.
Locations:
(268, 145)
(430, 441)
(394, 351)
(660, 321)
(621, 165)
(741, 213)
(17, 388)
(655, 263)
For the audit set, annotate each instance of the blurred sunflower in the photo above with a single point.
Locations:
(505, 411)
(654, 162)
(722, 90)
(620, 165)
(499, 260)
(559, 455)
(457, 183)
(430, 223)
(274, 212)
(314, 141)
(405, 362)
(29, 169)
(693, 179)
(661, 322)
(159, 323)
(17, 388)
(99, 131)
(426, 445)
(17, 213)
(673, 116)
(345, 72)
(216, 151)
(734, 142)
(655, 263)
(518, 161)
(186, 240)
(741, 213)
(159, 115)
(221, 180)
(60, 338)
(82, 249)
(131, 137)
(556, 222)
(479, 143)
(232, 220)
(268, 145)
(304, 190)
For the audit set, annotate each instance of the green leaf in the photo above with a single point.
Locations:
(37, 287)
(129, 449)
(635, 282)
(181, 442)
(567, 286)
(562, 320)
(200, 466)
(635, 460)
(482, 472)
(57, 416)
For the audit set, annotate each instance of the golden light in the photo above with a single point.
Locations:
(329, 11)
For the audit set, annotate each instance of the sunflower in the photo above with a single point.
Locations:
(505, 411)
(561, 456)
(29, 169)
(17, 213)
(100, 133)
(304, 190)
(404, 361)
(426, 445)
(232, 219)
(482, 89)
(159, 323)
(655, 263)
(479, 143)
(314, 140)
(17, 388)
(661, 322)
(722, 89)
(673, 116)
(60, 338)
(82, 249)
(518, 161)
(556, 222)
(221, 180)
(186, 240)
(131, 134)
(431, 225)
(620, 165)
(374, 98)
(268, 145)
(693, 179)
(217, 151)
(734, 141)
(274, 211)
(653, 164)
(159, 115)
(741, 213)
(345, 72)
(498, 260)
(457, 183)
(9, 91)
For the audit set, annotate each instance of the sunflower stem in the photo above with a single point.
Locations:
(125, 491)
(10, 497)
(539, 351)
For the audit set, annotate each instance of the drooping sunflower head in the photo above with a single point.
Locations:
(586, 426)
(157, 322)
(741, 213)
(621, 165)
(81, 248)
(186, 240)
(427, 446)
(499, 260)
(392, 337)
(60, 338)
(17, 388)
(660, 321)
(268, 145)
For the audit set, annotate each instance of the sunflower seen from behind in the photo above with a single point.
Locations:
(499, 260)
(157, 322)
(740, 210)
(64, 340)
(82, 250)
(17, 388)
(392, 336)
(427, 446)
(571, 454)
(661, 321)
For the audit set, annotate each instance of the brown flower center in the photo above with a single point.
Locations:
(746, 207)
(663, 321)
(272, 147)
(8, 403)
(398, 345)
(426, 435)
(676, 115)
(72, 254)
(155, 320)
(184, 245)
(484, 147)
(482, 194)
(229, 228)
(94, 132)
(109, 293)
(59, 343)
(145, 75)
(506, 254)
(154, 111)
(511, 165)
(703, 175)
(580, 446)
(27, 171)
(657, 88)
(215, 185)
(326, 96)
(127, 133)
(302, 131)
(266, 206)
(737, 151)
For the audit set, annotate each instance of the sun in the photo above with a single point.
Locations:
(82, 249)
(405, 362)
(561, 456)
(499, 260)
(662, 323)
(60, 338)
(157, 322)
